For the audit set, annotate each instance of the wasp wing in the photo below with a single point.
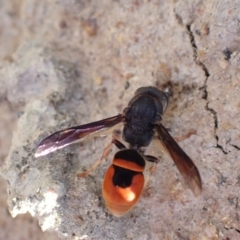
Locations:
(183, 162)
(71, 135)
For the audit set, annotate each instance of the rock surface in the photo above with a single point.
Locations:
(68, 63)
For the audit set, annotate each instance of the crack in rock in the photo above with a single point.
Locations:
(195, 52)
(235, 146)
(204, 88)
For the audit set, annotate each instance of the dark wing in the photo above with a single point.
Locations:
(183, 162)
(71, 135)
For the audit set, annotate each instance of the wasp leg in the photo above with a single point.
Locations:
(105, 154)
(152, 169)
(150, 158)
(118, 144)
(185, 136)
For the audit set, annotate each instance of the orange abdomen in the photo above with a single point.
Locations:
(122, 189)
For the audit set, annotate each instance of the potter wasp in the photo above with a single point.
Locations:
(124, 180)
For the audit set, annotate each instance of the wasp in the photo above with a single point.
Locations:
(124, 180)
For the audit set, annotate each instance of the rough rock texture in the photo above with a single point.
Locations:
(71, 62)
